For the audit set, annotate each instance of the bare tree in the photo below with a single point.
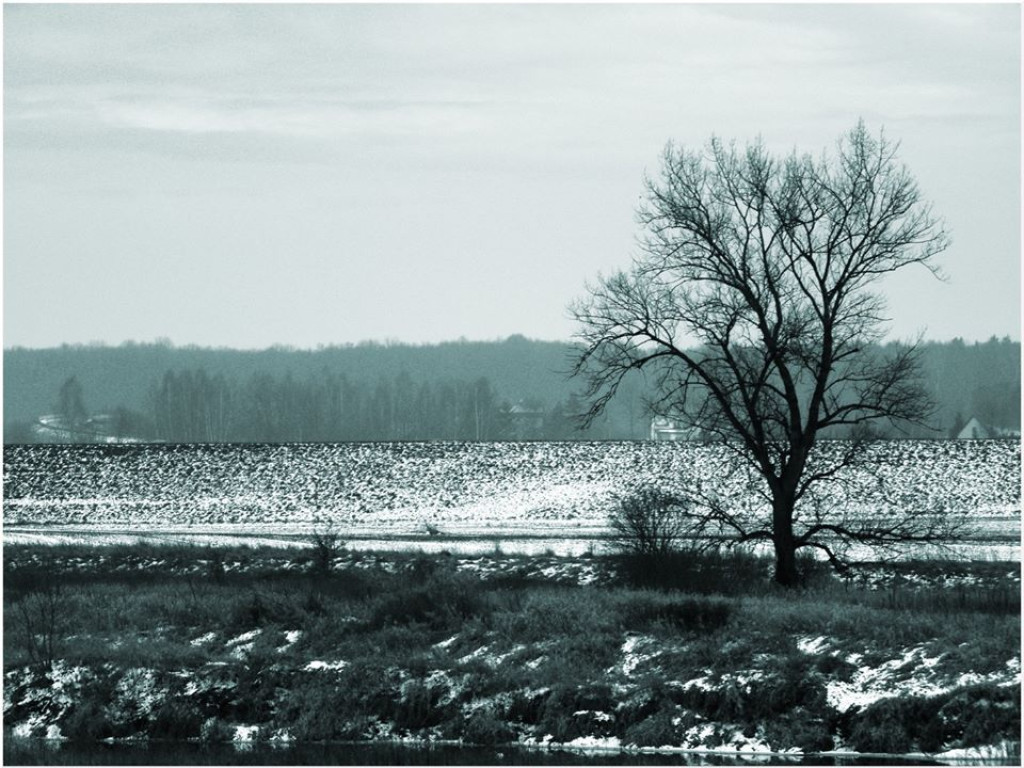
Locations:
(751, 307)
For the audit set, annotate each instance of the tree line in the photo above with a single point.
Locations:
(395, 392)
(194, 406)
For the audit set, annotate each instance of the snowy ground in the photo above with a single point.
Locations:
(459, 487)
(460, 497)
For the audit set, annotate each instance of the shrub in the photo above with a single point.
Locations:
(648, 523)
(796, 685)
(88, 721)
(418, 706)
(356, 584)
(485, 729)
(766, 697)
(176, 719)
(891, 725)
(658, 730)
(327, 545)
(880, 735)
(800, 728)
(568, 711)
(370, 688)
(214, 730)
(981, 714)
(547, 612)
(527, 706)
(973, 716)
(642, 704)
(312, 709)
(258, 684)
(90, 717)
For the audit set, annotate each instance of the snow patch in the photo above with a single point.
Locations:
(24, 730)
(479, 653)
(595, 742)
(245, 637)
(492, 659)
(812, 646)
(246, 733)
(717, 737)
(241, 646)
(291, 637)
(912, 674)
(742, 679)
(444, 645)
(633, 655)
(325, 666)
(1004, 751)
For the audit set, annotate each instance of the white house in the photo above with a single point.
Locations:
(664, 429)
(975, 430)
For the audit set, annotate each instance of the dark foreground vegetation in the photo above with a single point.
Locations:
(318, 644)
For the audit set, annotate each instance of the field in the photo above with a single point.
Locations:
(529, 496)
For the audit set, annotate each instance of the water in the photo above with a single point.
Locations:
(41, 752)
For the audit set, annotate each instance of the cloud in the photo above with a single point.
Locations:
(291, 119)
(498, 74)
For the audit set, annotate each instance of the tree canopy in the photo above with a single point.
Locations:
(753, 308)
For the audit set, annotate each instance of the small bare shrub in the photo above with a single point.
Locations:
(327, 545)
(215, 564)
(648, 522)
(647, 528)
(42, 614)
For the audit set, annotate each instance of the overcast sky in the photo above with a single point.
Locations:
(252, 175)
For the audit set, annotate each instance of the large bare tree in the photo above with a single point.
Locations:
(752, 307)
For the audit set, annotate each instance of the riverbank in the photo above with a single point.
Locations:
(275, 646)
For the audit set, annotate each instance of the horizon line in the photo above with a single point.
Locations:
(391, 342)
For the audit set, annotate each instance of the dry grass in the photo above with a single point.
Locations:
(434, 650)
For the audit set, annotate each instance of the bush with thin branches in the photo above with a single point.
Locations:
(648, 522)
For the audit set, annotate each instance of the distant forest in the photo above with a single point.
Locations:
(516, 389)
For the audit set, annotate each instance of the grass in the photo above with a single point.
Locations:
(435, 651)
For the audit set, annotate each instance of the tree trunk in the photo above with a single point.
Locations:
(785, 564)
(785, 546)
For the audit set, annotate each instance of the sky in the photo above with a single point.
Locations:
(246, 176)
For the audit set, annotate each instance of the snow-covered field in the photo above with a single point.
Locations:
(472, 494)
